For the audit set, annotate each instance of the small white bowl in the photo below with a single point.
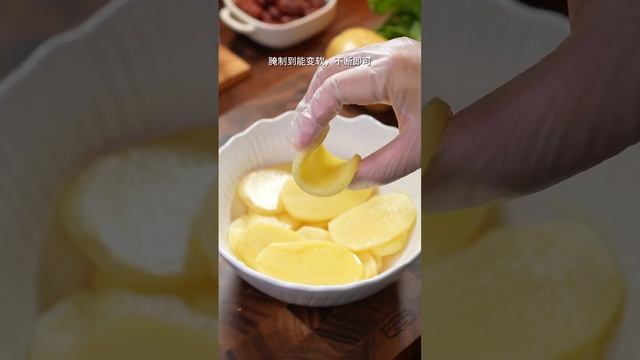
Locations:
(265, 143)
(277, 35)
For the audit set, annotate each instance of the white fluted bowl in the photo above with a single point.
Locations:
(265, 143)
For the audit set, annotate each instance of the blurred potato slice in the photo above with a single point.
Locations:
(542, 292)
(444, 234)
(120, 325)
(132, 213)
(309, 208)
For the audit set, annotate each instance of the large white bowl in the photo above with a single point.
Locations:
(277, 35)
(264, 144)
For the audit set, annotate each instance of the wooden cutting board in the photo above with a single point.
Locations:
(231, 68)
(385, 325)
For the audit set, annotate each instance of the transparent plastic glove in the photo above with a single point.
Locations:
(577, 107)
(393, 77)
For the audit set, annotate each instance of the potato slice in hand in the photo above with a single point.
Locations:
(311, 263)
(542, 292)
(314, 233)
(375, 222)
(260, 190)
(320, 173)
(306, 207)
(132, 213)
(120, 325)
(257, 237)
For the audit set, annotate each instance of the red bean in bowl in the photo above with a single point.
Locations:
(279, 11)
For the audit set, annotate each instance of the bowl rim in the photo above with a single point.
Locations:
(237, 264)
(329, 4)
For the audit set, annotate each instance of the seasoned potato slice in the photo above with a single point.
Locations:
(259, 235)
(374, 223)
(260, 189)
(311, 208)
(120, 325)
(314, 233)
(310, 262)
(132, 213)
(320, 173)
(540, 292)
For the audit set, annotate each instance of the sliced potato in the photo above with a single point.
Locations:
(393, 247)
(293, 223)
(369, 264)
(444, 234)
(306, 207)
(258, 236)
(318, 224)
(320, 173)
(260, 190)
(379, 262)
(542, 292)
(310, 262)
(119, 325)
(314, 233)
(374, 223)
(132, 214)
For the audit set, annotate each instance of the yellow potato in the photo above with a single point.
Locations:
(444, 234)
(260, 190)
(310, 262)
(375, 222)
(379, 262)
(394, 246)
(133, 212)
(318, 224)
(435, 119)
(303, 206)
(314, 233)
(320, 173)
(529, 293)
(258, 236)
(369, 263)
(119, 325)
(293, 223)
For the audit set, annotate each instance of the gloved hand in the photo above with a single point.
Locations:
(577, 107)
(393, 77)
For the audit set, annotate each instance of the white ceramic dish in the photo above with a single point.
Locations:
(473, 47)
(264, 144)
(277, 35)
(133, 71)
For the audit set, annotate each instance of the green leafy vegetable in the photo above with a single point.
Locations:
(404, 19)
